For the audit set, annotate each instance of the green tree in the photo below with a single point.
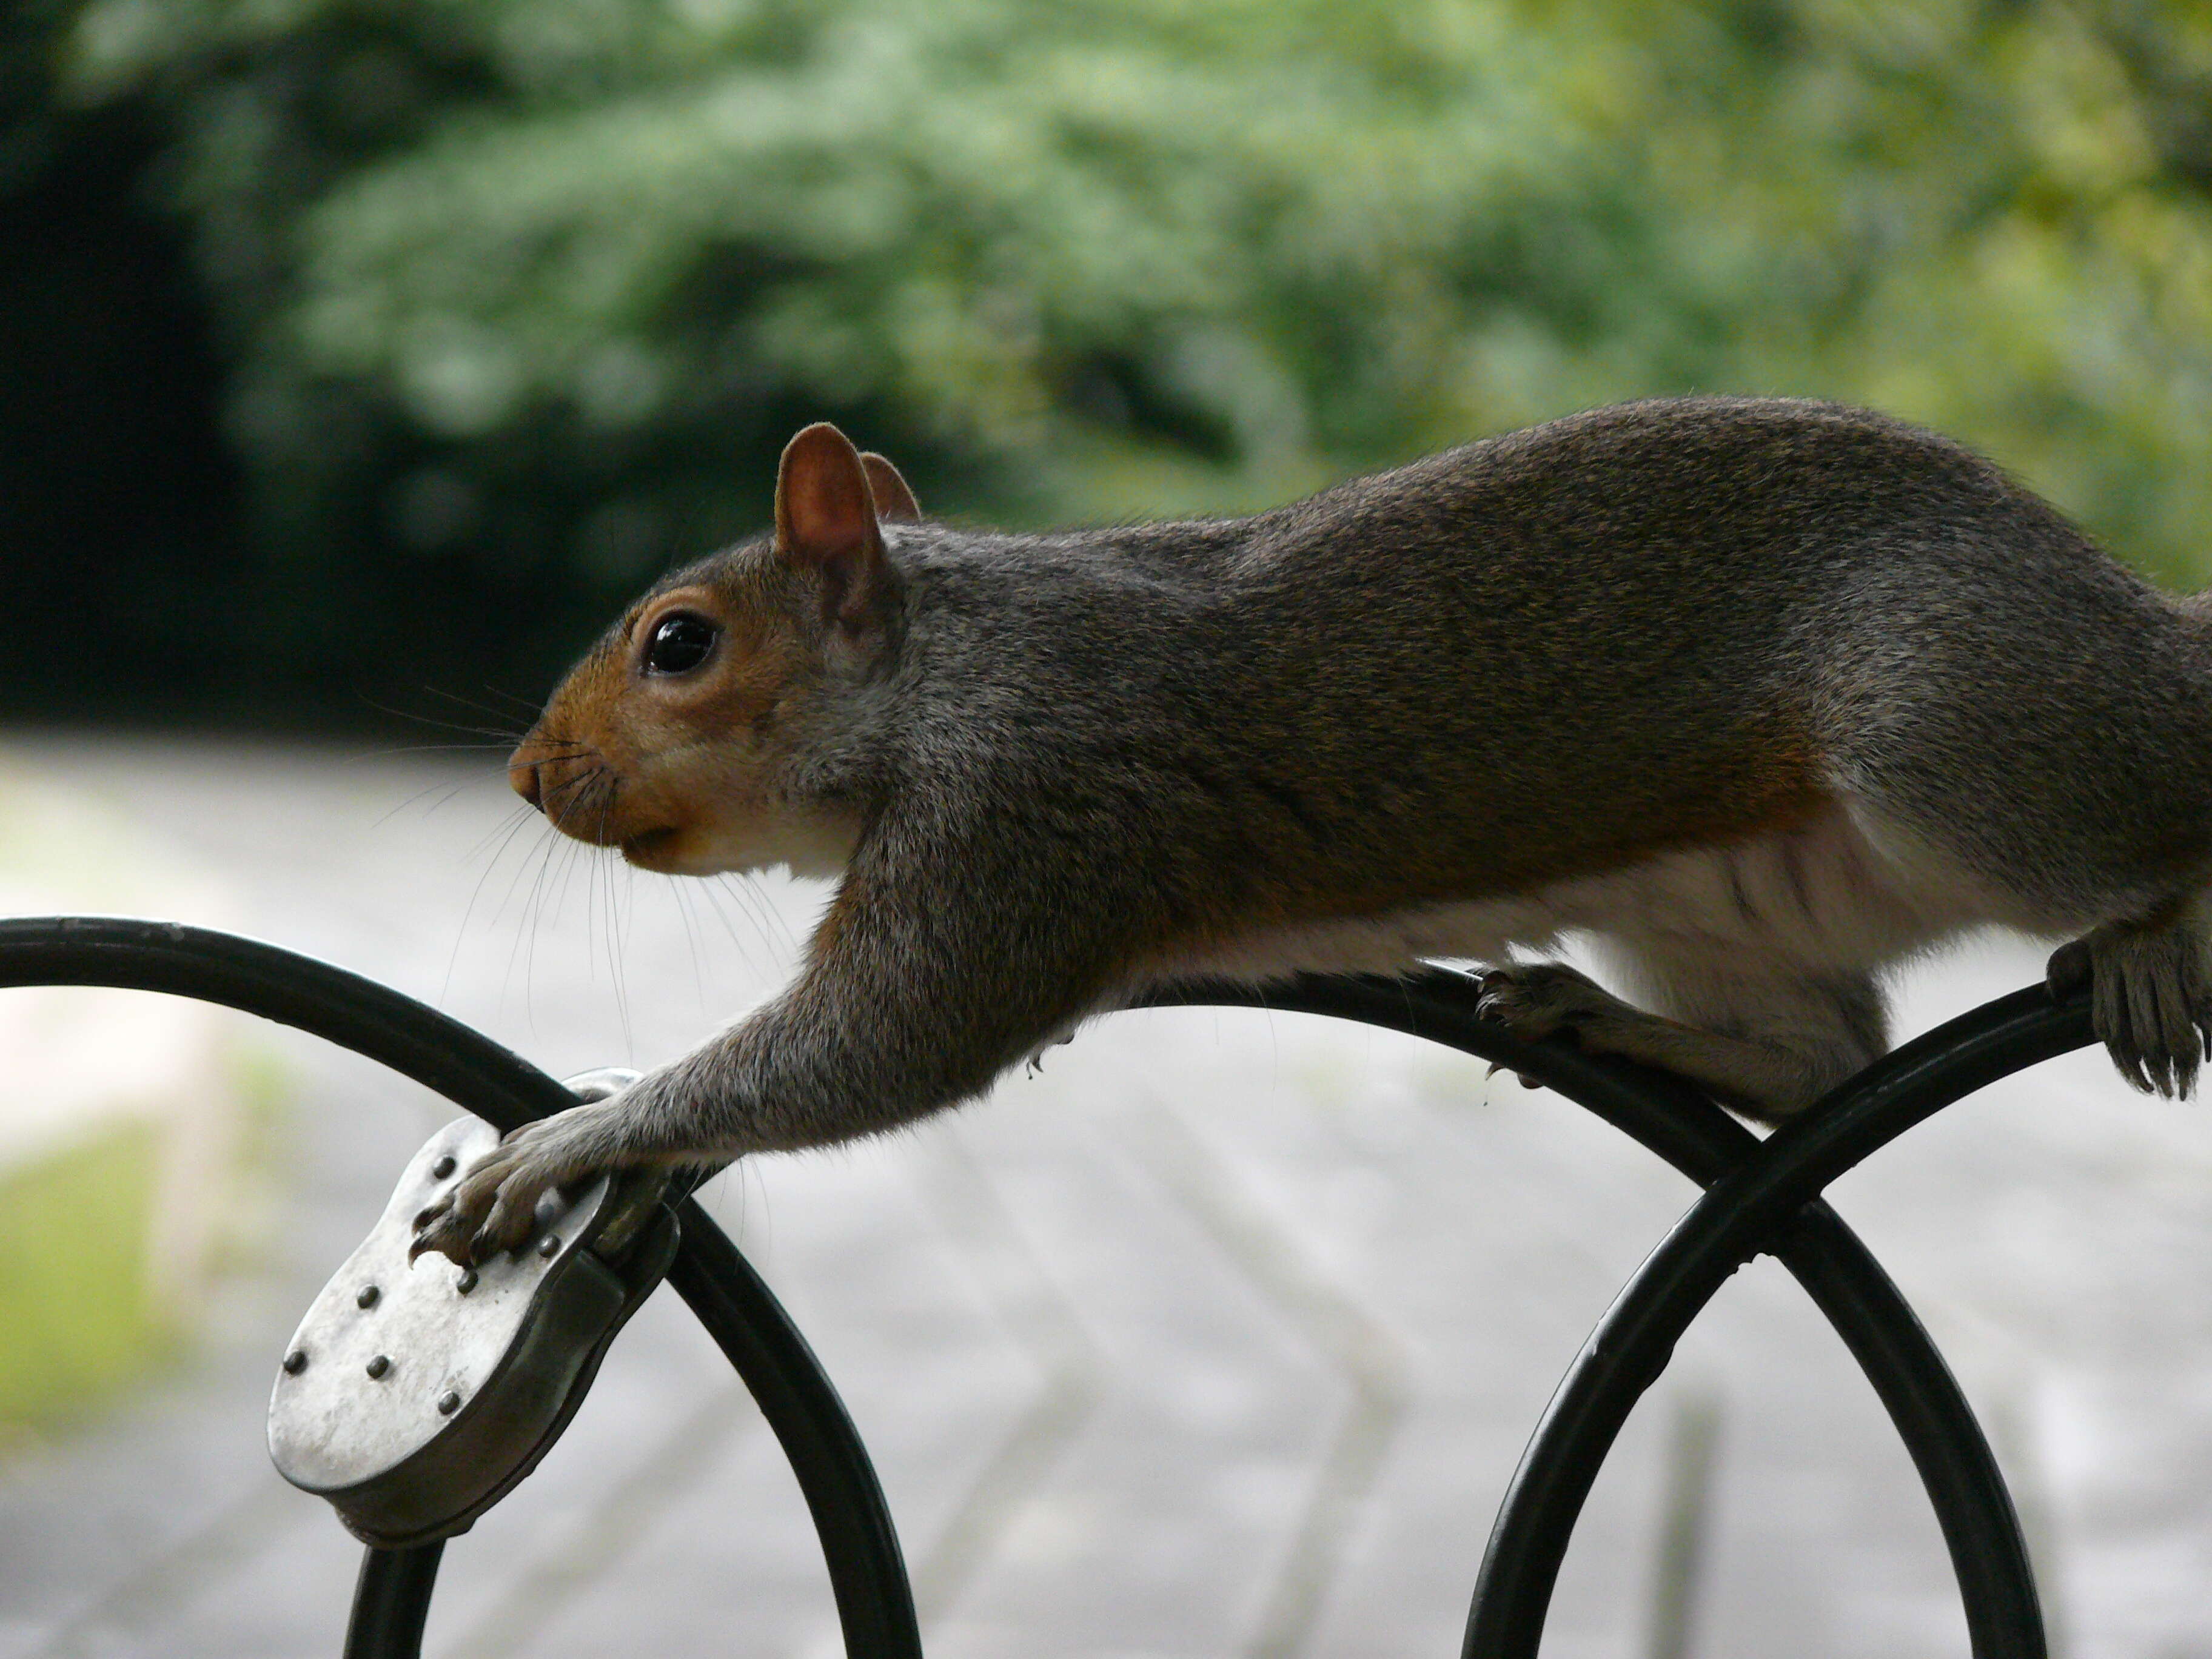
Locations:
(519, 297)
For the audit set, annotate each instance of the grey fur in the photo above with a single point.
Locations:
(1082, 761)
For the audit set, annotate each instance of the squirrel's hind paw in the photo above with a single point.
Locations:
(1533, 1000)
(2150, 999)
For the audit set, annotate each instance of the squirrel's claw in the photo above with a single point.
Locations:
(494, 1207)
(478, 1218)
(1533, 1000)
(468, 1226)
(443, 1229)
(1536, 1000)
(2150, 1000)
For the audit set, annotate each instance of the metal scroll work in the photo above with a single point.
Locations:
(1761, 1197)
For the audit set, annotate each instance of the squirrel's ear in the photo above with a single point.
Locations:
(825, 519)
(895, 502)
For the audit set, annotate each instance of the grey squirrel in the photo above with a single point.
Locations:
(1765, 695)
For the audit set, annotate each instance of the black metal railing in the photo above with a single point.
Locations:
(1761, 1196)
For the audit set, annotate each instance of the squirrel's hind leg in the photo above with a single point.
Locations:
(1768, 1045)
(2151, 996)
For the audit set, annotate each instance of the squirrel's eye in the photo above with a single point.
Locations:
(679, 644)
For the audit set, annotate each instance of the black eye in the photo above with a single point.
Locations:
(679, 644)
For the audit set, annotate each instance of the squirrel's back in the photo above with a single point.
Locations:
(1660, 624)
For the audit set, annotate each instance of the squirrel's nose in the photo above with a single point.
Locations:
(523, 775)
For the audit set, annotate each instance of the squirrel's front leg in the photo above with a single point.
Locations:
(712, 1106)
(918, 993)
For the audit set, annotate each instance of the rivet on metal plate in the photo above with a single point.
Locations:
(550, 1246)
(379, 1366)
(444, 1167)
(466, 1282)
(295, 1362)
(449, 1403)
(367, 1296)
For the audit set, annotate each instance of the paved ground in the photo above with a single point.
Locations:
(1219, 1338)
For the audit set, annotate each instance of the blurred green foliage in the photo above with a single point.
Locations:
(513, 302)
(80, 1314)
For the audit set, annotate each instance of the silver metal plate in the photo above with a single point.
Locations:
(414, 1395)
(391, 1352)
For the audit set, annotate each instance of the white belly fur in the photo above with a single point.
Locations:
(1839, 891)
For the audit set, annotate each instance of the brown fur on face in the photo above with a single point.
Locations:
(698, 771)
(686, 773)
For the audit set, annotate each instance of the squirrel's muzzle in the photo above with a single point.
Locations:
(572, 785)
(549, 773)
(522, 777)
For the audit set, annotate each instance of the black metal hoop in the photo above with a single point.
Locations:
(1972, 1506)
(391, 1600)
(1768, 1202)
(1760, 1196)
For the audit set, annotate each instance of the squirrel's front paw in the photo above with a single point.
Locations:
(1533, 1000)
(494, 1207)
(2150, 999)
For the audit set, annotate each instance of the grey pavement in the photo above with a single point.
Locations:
(1220, 1336)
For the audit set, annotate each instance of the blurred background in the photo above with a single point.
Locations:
(358, 357)
(351, 346)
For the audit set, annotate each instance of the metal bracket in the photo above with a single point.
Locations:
(414, 1397)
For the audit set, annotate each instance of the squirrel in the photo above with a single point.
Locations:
(1763, 697)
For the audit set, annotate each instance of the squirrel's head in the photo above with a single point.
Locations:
(685, 736)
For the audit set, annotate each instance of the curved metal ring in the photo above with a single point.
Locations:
(875, 1605)
(1760, 1196)
(1772, 1201)
(1973, 1506)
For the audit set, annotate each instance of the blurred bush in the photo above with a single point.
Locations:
(475, 313)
